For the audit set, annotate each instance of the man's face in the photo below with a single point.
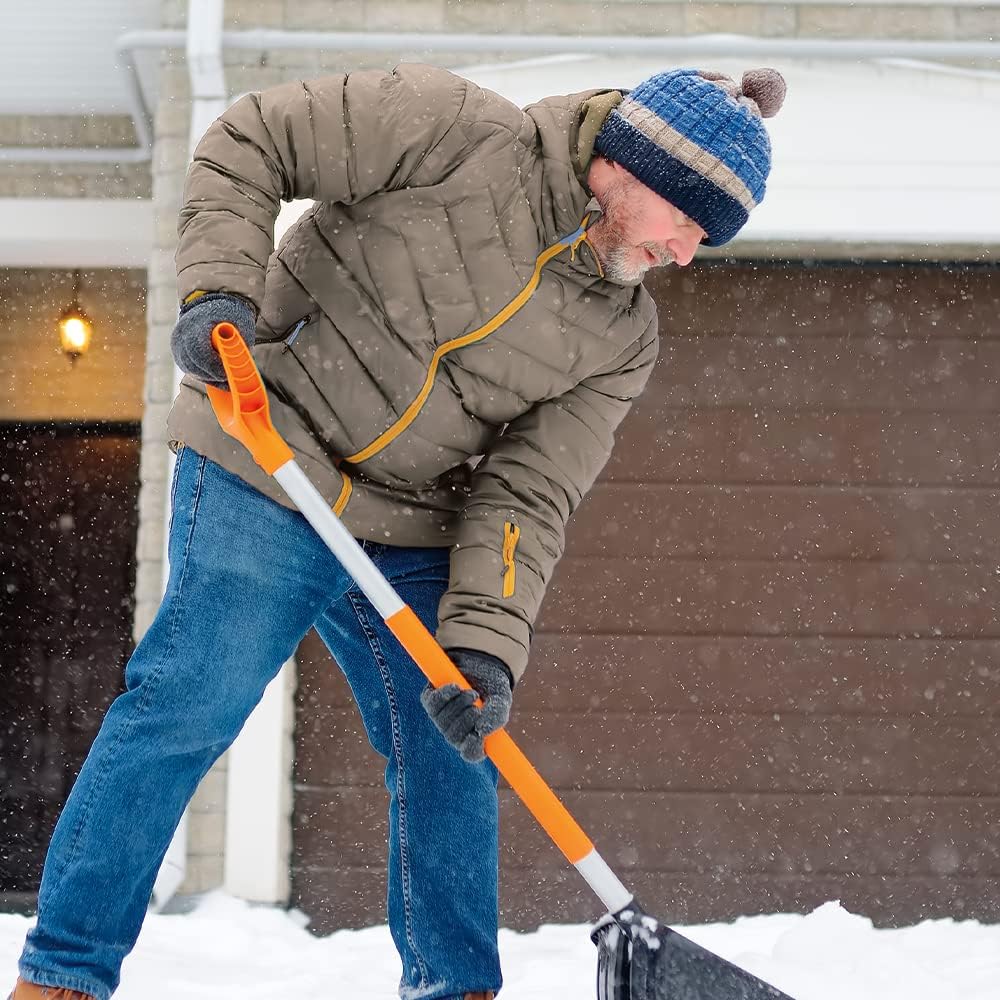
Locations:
(640, 230)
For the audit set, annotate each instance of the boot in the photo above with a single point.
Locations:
(468, 996)
(23, 990)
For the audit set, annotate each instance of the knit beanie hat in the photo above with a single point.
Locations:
(697, 139)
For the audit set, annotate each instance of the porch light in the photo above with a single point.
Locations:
(75, 328)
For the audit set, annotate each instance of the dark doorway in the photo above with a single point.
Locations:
(68, 521)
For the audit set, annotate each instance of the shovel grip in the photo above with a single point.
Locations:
(242, 409)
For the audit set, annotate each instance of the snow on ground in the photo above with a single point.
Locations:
(227, 950)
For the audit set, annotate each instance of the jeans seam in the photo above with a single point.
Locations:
(173, 486)
(397, 748)
(195, 504)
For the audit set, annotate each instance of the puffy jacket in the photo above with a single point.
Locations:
(440, 347)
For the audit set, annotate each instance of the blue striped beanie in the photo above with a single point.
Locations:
(698, 141)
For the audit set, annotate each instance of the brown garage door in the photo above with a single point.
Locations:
(767, 673)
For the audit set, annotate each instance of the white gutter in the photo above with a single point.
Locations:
(259, 39)
(208, 101)
(704, 45)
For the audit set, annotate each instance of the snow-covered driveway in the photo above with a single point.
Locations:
(226, 950)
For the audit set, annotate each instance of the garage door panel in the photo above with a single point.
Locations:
(792, 752)
(775, 834)
(337, 751)
(341, 896)
(758, 833)
(683, 898)
(321, 688)
(748, 832)
(341, 825)
(716, 673)
(767, 522)
(866, 373)
(527, 895)
(825, 675)
(774, 598)
(752, 299)
(805, 447)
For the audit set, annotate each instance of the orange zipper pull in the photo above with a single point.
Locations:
(511, 533)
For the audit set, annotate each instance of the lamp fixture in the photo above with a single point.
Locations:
(75, 327)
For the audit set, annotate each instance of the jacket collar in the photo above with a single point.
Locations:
(566, 129)
(590, 118)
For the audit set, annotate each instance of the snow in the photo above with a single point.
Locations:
(227, 949)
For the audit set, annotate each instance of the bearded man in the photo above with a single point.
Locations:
(450, 337)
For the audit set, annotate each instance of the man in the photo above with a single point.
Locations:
(449, 337)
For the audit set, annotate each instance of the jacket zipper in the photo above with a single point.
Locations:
(289, 338)
(571, 242)
(511, 533)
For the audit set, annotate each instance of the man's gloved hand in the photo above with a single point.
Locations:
(451, 708)
(191, 341)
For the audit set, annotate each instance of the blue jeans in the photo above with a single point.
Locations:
(248, 578)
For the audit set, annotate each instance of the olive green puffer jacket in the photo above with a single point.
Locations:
(441, 350)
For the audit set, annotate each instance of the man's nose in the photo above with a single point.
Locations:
(683, 248)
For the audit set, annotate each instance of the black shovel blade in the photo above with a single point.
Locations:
(640, 959)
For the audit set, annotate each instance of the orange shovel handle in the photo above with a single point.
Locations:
(521, 775)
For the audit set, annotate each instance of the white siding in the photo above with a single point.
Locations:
(58, 56)
(869, 151)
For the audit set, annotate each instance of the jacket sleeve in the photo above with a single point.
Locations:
(338, 138)
(512, 531)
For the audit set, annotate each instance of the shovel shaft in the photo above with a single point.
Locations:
(243, 413)
(437, 666)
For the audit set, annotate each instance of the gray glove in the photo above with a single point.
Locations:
(463, 724)
(191, 341)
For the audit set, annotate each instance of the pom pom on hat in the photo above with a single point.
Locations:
(696, 138)
(766, 88)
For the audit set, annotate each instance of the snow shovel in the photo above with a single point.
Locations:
(638, 958)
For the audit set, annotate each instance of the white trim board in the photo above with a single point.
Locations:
(75, 232)
(259, 797)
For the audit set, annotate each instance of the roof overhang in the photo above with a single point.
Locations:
(887, 158)
(880, 160)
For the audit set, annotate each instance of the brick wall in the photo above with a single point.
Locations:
(833, 19)
(70, 180)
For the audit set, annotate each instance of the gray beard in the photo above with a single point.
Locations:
(620, 269)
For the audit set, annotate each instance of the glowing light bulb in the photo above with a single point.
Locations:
(75, 331)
